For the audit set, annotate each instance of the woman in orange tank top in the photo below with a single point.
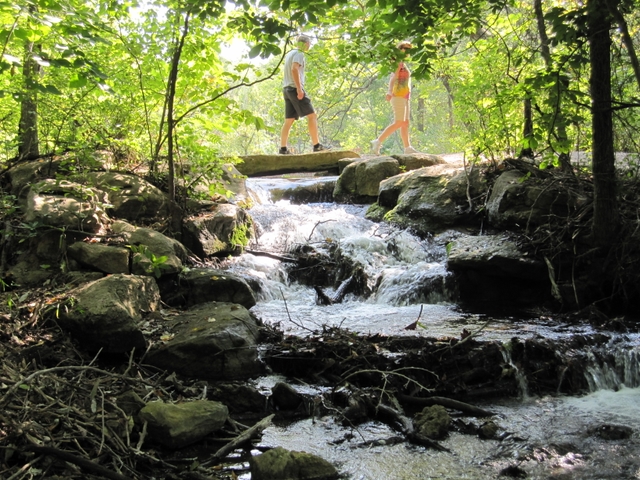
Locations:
(398, 95)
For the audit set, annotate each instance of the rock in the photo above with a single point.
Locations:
(105, 314)
(179, 425)
(493, 269)
(360, 181)
(301, 193)
(433, 422)
(418, 160)
(65, 204)
(256, 165)
(612, 432)
(210, 341)
(488, 430)
(429, 200)
(284, 397)
(132, 198)
(281, 464)
(130, 402)
(227, 229)
(239, 397)
(527, 202)
(97, 256)
(156, 245)
(201, 285)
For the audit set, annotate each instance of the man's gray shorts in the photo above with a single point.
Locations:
(294, 108)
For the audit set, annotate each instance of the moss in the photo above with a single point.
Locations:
(241, 234)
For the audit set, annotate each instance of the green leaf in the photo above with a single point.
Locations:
(78, 82)
(50, 89)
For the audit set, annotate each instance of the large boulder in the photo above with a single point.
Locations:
(107, 313)
(256, 165)
(430, 200)
(360, 181)
(202, 285)
(210, 341)
(224, 230)
(178, 425)
(100, 257)
(65, 204)
(131, 197)
(527, 201)
(495, 270)
(281, 464)
(153, 252)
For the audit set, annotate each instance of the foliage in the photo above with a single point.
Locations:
(105, 71)
(151, 264)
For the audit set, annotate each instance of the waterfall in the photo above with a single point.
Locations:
(613, 367)
(520, 377)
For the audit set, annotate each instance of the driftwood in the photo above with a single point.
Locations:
(275, 256)
(324, 299)
(244, 437)
(445, 402)
(76, 460)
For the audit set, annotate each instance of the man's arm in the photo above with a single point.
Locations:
(295, 73)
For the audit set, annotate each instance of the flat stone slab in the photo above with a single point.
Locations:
(256, 165)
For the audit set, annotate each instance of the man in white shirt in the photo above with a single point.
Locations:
(297, 103)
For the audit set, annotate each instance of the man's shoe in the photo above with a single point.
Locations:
(320, 148)
(284, 151)
(375, 146)
(410, 149)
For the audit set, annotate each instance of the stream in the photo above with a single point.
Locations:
(551, 437)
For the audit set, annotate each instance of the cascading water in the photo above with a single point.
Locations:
(548, 437)
(403, 273)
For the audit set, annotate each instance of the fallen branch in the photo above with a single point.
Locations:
(272, 255)
(447, 403)
(244, 437)
(79, 461)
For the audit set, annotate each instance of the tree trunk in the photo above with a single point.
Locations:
(171, 95)
(447, 86)
(420, 121)
(561, 86)
(626, 38)
(28, 126)
(527, 130)
(605, 208)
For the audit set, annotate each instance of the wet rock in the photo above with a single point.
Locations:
(612, 432)
(429, 200)
(178, 425)
(281, 464)
(318, 191)
(433, 422)
(513, 471)
(488, 430)
(493, 268)
(238, 397)
(285, 397)
(211, 341)
(360, 181)
(202, 285)
(226, 229)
